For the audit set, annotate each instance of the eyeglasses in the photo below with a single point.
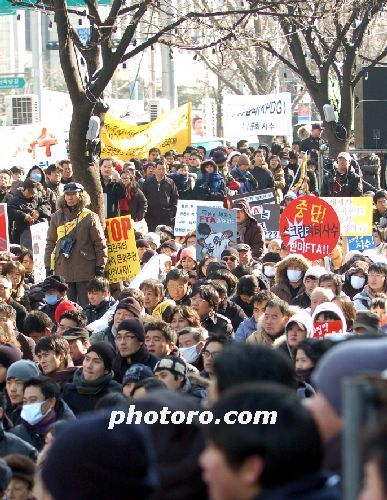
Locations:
(209, 354)
(232, 258)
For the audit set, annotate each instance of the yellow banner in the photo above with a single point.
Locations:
(123, 262)
(355, 215)
(172, 130)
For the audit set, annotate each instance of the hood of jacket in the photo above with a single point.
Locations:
(291, 260)
(203, 167)
(304, 319)
(330, 306)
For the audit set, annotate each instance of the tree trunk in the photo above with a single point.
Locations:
(85, 171)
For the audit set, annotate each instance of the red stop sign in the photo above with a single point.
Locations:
(309, 226)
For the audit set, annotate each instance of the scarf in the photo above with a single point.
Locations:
(91, 387)
(214, 181)
(242, 228)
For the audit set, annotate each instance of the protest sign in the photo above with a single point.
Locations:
(268, 216)
(123, 262)
(264, 196)
(249, 116)
(355, 215)
(4, 235)
(216, 230)
(171, 130)
(39, 237)
(360, 243)
(309, 226)
(185, 221)
(322, 328)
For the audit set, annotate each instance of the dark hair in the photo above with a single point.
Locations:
(15, 265)
(199, 333)
(112, 400)
(134, 293)
(155, 285)
(220, 286)
(247, 285)
(262, 296)
(210, 295)
(24, 253)
(336, 278)
(101, 160)
(154, 150)
(77, 316)
(55, 343)
(29, 185)
(53, 168)
(314, 349)
(382, 193)
(225, 340)
(242, 270)
(49, 388)
(202, 263)
(36, 321)
(378, 267)
(150, 384)
(327, 316)
(98, 284)
(177, 274)
(241, 142)
(228, 277)
(187, 313)
(348, 308)
(296, 454)
(241, 363)
(164, 328)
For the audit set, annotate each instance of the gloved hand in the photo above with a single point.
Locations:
(99, 271)
(49, 272)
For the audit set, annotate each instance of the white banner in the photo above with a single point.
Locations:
(185, 221)
(248, 116)
(39, 237)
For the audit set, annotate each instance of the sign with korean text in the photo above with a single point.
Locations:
(309, 226)
(171, 130)
(4, 235)
(38, 238)
(322, 328)
(185, 221)
(361, 243)
(249, 116)
(355, 214)
(268, 216)
(264, 196)
(216, 229)
(12, 82)
(123, 262)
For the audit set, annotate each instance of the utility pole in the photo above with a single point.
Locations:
(36, 48)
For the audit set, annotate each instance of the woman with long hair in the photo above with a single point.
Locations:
(16, 272)
(134, 203)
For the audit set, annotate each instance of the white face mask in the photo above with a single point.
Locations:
(33, 413)
(269, 271)
(357, 282)
(293, 275)
(190, 354)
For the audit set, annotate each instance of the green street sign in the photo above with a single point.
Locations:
(12, 82)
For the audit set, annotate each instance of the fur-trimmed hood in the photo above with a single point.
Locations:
(84, 202)
(291, 260)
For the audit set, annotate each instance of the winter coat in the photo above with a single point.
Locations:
(246, 179)
(120, 364)
(21, 313)
(289, 177)
(89, 251)
(194, 390)
(106, 335)
(114, 192)
(311, 487)
(261, 337)
(80, 402)
(246, 308)
(245, 329)
(11, 444)
(263, 176)
(184, 184)
(255, 237)
(93, 313)
(217, 325)
(233, 312)
(54, 193)
(363, 299)
(35, 435)
(282, 285)
(19, 206)
(310, 143)
(302, 300)
(162, 202)
(134, 205)
(370, 168)
(350, 182)
(210, 187)
(281, 343)
(279, 183)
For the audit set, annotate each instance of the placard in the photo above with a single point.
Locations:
(268, 216)
(4, 235)
(39, 239)
(355, 214)
(322, 328)
(263, 196)
(216, 230)
(123, 261)
(185, 221)
(361, 243)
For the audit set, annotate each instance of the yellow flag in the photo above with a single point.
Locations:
(172, 130)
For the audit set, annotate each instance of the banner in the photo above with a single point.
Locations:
(264, 196)
(268, 216)
(322, 328)
(309, 226)
(150, 270)
(185, 221)
(4, 234)
(249, 116)
(39, 237)
(172, 130)
(360, 243)
(355, 215)
(216, 230)
(123, 262)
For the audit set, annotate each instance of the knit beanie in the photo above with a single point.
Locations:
(23, 370)
(173, 364)
(271, 257)
(243, 160)
(134, 326)
(130, 304)
(188, 252)
(105, 352)
(137, 372)
(9, 354)
(81, 457)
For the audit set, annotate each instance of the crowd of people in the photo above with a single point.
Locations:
(260, 330)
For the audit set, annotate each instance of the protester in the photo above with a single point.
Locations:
(18, 372)
(173, 372)
(22, 482)
(250, 232)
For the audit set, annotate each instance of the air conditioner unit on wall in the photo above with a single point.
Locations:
(21, 109)
(156, 107)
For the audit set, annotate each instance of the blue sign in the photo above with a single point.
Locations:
(360, 243)
(12, 82)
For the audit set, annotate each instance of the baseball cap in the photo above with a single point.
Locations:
(73, 187)
(345, 155)
(243, 247)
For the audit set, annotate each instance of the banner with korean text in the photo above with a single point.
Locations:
(39, 237)
(123, 261)
(185, 221)
(4, 235)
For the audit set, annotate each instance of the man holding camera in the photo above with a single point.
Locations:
(76, 245)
